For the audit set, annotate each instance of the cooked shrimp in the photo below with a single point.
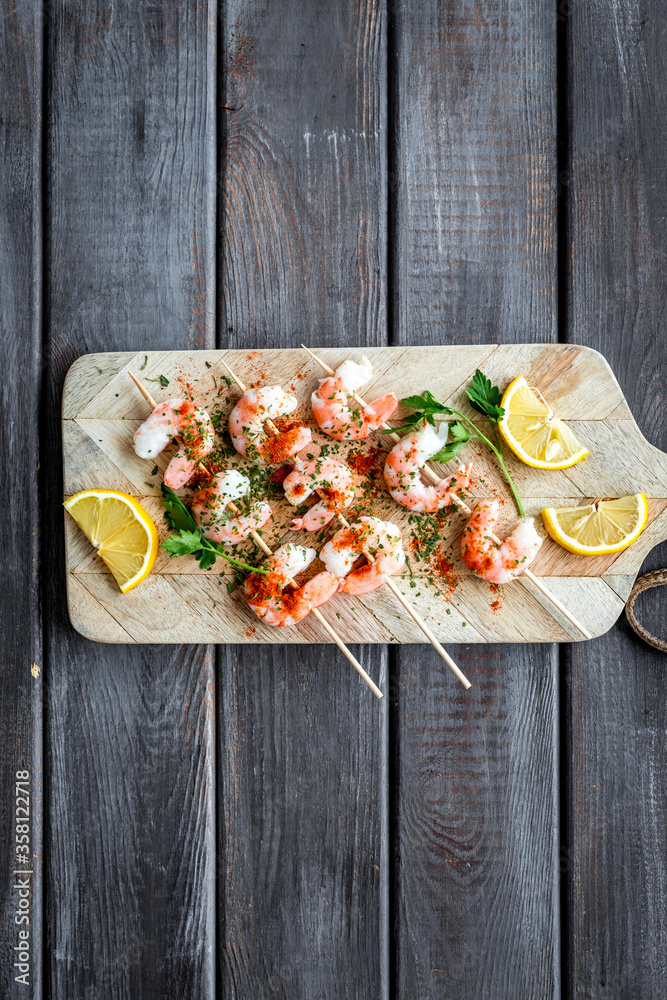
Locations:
(381, 539)
(215, 521)
(402, 472)
(497, 563)
(247, 419)
(330, 479)
(276, 605)
(190, 424)
(337, 413)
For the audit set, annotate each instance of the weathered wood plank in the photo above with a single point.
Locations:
(20, 335)
(618, 686)
(302, 742)
(130, 255)
(476, 772)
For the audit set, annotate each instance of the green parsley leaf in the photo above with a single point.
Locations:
(206, 558)
(449, 451)
(458, 431)
(176, 513)
(425, 407)
(416, 402)
(183, 544)
(427, 403)
(485, 397)
(162, 379)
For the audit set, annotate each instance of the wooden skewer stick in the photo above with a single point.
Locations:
(143, 390)
(416, 617)
(390, 583)
(433, 476)
(259, 541)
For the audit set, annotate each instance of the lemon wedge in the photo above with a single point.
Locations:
(121, 531)
(598, 528)
(533, 433)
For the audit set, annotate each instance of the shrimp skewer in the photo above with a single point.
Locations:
(176, 418)
(433, 476)
(332, 409)
(493, 561)
(259, 541)
(402, 472)
(330, 479)
(418, 620)
(272, 602)
(380, 540)
(252, 411)
(209, 509)
(392, 586)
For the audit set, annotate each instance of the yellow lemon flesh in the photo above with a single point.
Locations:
(121, 531)
(533, 433)
(598, 528)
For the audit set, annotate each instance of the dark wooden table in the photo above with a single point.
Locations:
(248, 822)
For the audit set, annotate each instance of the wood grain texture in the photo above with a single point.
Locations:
(302, 806)
(98, 451)
(474, 262)
(618, 686)
(21, 678)
(476, 857)
(131, 732)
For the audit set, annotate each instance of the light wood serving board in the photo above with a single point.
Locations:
(179, 602)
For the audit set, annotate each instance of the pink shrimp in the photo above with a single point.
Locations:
(497, 563)
(209, 509)
(190, 424)
(272, 602)
(381, 539)
(330, 479)
(246, 425)
(338, 415)
(402, 472)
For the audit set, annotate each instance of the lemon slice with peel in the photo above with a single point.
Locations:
(121, 531)
(598, 528)
(533, 433)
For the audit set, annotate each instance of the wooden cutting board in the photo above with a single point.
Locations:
(179, 602)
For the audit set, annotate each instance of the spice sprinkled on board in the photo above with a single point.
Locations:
(363, 462)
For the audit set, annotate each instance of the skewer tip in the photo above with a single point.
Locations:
(234, 377)
(142, 389)
(321, 363)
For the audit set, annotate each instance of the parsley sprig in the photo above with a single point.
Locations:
(189, 539)
(486, 399)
